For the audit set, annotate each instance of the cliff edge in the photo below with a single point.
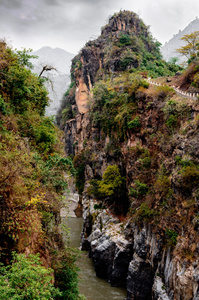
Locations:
(136, 153)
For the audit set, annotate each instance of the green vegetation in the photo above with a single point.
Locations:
(27, 279)
(135, 49)
(114, 110)
(111, 189)
(175, 111)
(172, 121)
(171, 237)
(33, 179)
(140, 189)
(176, 108)
(146, 162)
(125, 40)
(191, 49)
(135, 123)
(164, 92)
(112, 183)
(190, 177)
(145, 213)
(66, 275)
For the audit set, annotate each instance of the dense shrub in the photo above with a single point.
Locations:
(190, 177)
(145, 213)
(125, 40)
(112, 183)
(171, 236)
(135, 123)
(162, 185)
(3, 106)
(139, 190)
(114, 105)
(66, 275)
(26, 279)
(129, 60)
(146, 162)
(111, 188)
(163, 92)
(172, 121)
(32, 182)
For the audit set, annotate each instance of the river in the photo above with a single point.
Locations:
(90, 285)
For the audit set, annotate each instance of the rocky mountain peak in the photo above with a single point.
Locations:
(124, 21)
(123, 43)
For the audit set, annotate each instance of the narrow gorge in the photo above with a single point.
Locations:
(136, 154)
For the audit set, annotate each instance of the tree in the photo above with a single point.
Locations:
(26, 279)
(191, 49)
(24, 56)
(173, 60)
(112, 181)
(113, 187)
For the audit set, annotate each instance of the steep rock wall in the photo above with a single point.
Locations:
(128, 255)
(140, 259)
(153, 249)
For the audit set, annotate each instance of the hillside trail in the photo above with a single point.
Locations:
(193, 96)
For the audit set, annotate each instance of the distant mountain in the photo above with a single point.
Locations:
(59, 79)
(57, 58)
(57, 86)
(169, 49)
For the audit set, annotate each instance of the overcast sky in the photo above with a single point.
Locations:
(68, 24)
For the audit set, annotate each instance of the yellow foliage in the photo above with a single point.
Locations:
(38, 199)
(191, 48)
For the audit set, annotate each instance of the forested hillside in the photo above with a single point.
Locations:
(33, 170)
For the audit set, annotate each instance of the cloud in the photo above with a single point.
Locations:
(12, 4)
(52, 2)
(70, 23)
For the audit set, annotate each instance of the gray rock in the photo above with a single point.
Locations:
(159, 292)
(121, 262)
(140, 245)
(102, 257)
(139, 280)
(95, 235)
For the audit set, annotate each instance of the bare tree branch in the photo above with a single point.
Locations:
(47, 68)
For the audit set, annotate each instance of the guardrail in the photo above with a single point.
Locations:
(193, 96)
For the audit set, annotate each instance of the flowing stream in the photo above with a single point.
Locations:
(90, 285)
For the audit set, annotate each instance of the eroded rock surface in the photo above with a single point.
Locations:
(126, 255)
(153, 249)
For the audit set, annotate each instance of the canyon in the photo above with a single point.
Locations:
(146, 237)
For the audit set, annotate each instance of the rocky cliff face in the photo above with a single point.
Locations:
(147, 237)
(126, 254)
